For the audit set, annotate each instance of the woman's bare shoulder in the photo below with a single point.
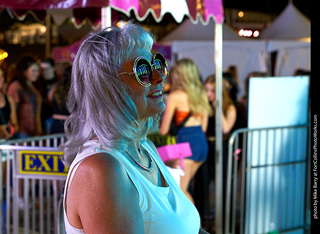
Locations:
(232, 109)
(101, 190)
(178, 96)
(14, 85)
(103, 166)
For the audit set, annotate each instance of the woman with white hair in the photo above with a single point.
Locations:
(117, 182)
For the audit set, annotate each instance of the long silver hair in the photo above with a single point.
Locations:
(98, 100)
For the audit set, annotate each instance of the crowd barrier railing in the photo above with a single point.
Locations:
(267, 180)
(32, 178)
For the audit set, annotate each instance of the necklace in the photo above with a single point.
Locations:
(139, 164)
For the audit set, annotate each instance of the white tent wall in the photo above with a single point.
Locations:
(246, 55)
(291, 55)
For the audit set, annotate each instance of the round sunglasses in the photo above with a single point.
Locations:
(143, 69)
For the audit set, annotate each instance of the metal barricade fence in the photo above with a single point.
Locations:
(32, 178)
(267, 181)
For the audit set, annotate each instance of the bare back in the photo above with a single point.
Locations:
(178, 101)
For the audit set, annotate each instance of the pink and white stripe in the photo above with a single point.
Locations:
(178, 8)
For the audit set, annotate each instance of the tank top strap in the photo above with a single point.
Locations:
(130, 170)
(84, 151)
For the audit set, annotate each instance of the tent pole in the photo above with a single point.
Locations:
(48, 35)
(105, 17)
(218, 149)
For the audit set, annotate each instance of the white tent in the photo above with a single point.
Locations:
(291, 24)
(289, 36)
(197, 43)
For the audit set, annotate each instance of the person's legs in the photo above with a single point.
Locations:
(190, 169)
(199, 147)
(202, 181)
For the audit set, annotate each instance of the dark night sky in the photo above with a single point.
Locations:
(269, 6)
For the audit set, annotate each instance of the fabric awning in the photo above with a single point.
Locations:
(158, 8)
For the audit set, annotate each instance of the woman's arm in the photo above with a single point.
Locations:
(13, 91)
(4, 134)
(204, 122)
(103, 199)
(13, 115)
(38, 116)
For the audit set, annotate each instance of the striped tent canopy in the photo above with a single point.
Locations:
(158, 8)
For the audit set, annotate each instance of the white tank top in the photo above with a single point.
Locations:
(165, 210)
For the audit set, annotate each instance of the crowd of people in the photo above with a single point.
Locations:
(32, 98)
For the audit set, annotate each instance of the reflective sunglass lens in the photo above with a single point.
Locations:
(143, 71)
(160, 64)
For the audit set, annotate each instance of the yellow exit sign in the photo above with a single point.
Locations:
(42, 163)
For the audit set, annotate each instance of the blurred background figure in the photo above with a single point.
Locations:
(229, 112)
(27, 102)
(302, 72)
(231, 76)
(8, 116)
(26, 97)
(187, 94)
(59, 100)
(206, 173)
(45, 84)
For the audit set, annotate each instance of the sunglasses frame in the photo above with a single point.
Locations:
(151, 67)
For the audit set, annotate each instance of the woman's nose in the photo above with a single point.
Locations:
(157, 77)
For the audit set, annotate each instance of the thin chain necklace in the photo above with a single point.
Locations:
(138, 163)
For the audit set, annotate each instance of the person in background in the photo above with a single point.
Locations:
(207, 171)
(48, 79)
(59, 100)
(187, 94)
(233, 70)
(27, 102)
(26, 97)
(10, 72)
(45, 84)
(60, 67)
(117, 182)
(301, 72)
(232, 86)
(229, 111)
(8, 116)
(231, 75)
